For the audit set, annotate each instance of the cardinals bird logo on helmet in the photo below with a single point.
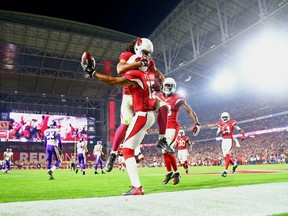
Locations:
(143, 44)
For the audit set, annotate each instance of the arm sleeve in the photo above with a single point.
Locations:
(59, 142)
(45, 142)
(236, 127)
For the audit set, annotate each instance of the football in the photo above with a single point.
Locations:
(87, 58)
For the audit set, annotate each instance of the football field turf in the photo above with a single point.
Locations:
(30, 185)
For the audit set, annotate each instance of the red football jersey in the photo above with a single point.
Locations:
(182, 142)
(125, 56)
(175, 101)
(227, 128)
(144, 98)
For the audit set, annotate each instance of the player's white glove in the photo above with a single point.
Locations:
(196, 129)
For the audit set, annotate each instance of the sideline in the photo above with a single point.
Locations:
(256, 200)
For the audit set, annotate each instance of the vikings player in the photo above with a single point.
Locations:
(97, 152)
(8, 159)
(81, 148)
(53, 146)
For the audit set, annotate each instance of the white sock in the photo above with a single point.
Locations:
(131, 167)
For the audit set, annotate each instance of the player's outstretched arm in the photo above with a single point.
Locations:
(115, 81)
(123, 67)
(192, 114)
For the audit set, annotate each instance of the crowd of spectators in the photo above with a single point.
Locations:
(256, 114)
(260, 149)
(252, 114)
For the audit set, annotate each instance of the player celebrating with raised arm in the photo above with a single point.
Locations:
(176, 102)
(226, 128)
(144, 101)
(140, 48)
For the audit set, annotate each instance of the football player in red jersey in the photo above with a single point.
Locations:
(226, 128)
(139, 47)
(181, 144)
(140, 84)
(175, 102)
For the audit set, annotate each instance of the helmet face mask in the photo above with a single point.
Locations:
(53, 125)
(225, 117)
(143, 46)
(169, 86)
(181, 133)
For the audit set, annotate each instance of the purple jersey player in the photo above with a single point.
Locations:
(81, 148)
(97, 152)
(53, 146)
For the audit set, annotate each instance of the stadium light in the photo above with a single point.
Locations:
(224, 81)
(263, 61)
(181, 92)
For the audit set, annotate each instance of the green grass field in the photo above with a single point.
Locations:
(29, 185)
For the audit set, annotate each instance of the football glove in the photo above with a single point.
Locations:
(103, 157)
(145, 61)
(196, 129)
(157, 86)
(242, 137)
(60, 151)
(237, 144)
(88, 68)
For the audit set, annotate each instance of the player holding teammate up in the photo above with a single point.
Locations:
(140, 48)
(144, 101)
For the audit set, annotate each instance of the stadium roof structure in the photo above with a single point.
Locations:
(40, 56)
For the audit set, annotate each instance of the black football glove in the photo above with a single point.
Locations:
(88, 67)
(157, 86)
(60, 151)
(103, 157)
